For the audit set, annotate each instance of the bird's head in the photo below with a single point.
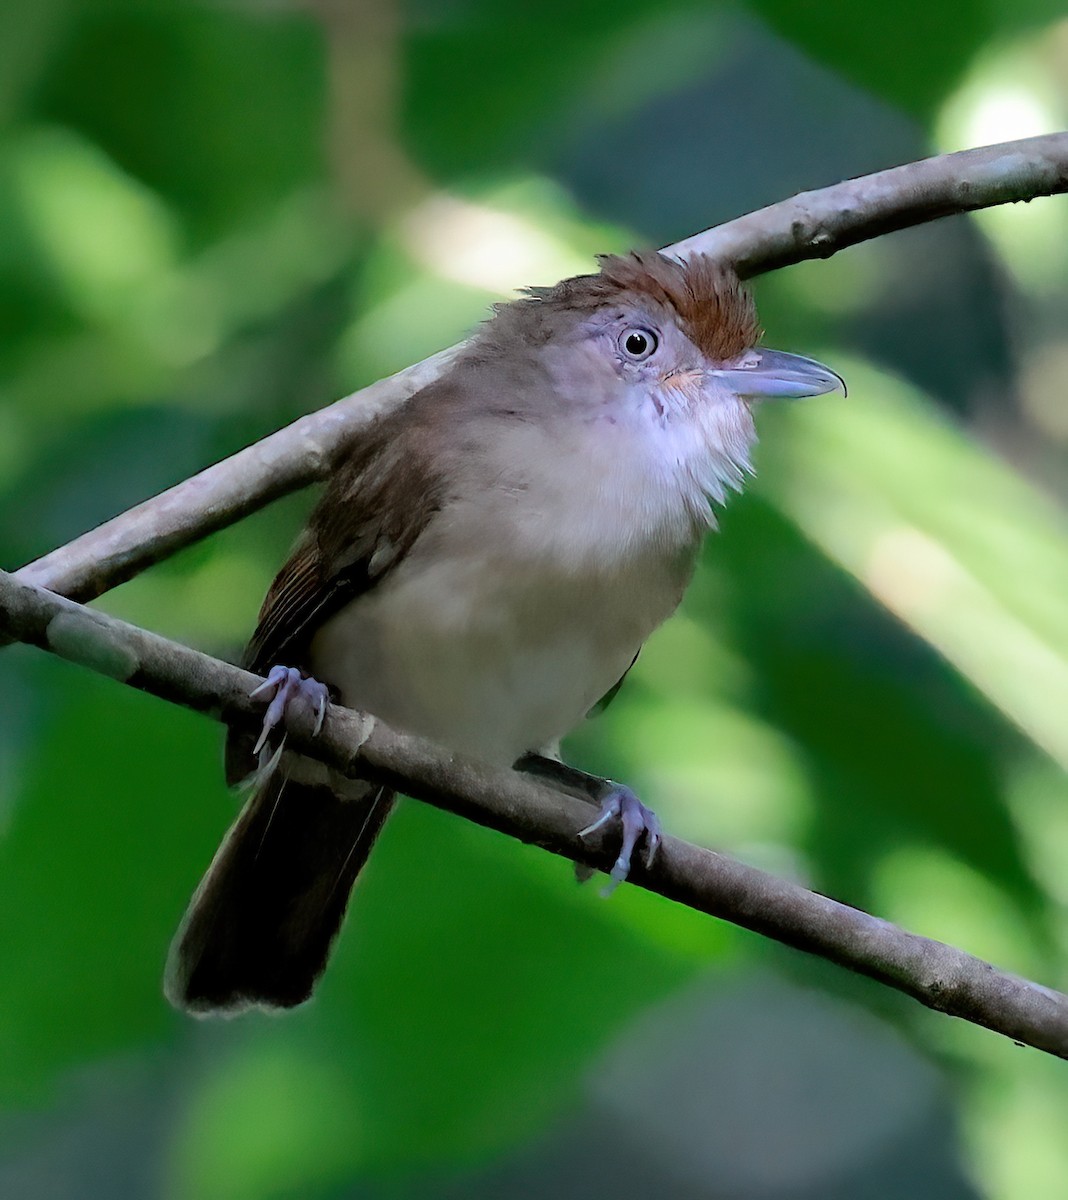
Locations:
(677, 332)
(666, 351)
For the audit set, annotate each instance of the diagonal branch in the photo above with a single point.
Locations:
(939, 976)
(811, 225)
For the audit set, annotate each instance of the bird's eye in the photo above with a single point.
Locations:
(637, 344)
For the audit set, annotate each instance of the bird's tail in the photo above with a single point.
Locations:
(259, 928)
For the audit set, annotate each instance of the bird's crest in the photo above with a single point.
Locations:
(716, 312)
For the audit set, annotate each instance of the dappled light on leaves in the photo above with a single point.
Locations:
(1016, 88)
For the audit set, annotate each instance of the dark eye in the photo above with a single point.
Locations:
(637, 344)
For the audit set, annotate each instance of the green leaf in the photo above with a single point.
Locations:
(910, 52)
(214, 110)
(119, 806)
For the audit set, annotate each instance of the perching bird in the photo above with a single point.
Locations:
(482, 569)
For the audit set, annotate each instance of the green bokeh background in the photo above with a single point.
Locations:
(215, 216)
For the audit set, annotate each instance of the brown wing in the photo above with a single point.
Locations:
(381, 499)
(374, 509)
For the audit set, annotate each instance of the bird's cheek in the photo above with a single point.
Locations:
(685, 386)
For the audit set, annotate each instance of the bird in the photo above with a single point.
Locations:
(483, 567)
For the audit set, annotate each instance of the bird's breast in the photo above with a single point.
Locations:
(518, 608)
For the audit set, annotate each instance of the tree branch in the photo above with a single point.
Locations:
(811, 225)
(939, 976)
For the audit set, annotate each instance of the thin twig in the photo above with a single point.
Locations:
(939, 976)
(811, 225)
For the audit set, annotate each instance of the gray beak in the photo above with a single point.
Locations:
(761, 374)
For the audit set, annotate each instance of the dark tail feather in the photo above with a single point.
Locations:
(259, 928)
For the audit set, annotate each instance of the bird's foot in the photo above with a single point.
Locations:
(621, 804)
(286, 687)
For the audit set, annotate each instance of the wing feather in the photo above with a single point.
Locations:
(372, 513)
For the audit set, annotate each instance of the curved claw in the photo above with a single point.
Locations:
(622, 805)
(286, 686)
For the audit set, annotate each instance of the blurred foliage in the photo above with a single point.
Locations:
(215, 216)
